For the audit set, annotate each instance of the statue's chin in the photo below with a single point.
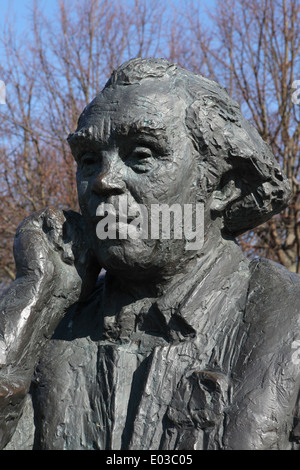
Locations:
(136, 259)
(123, 256)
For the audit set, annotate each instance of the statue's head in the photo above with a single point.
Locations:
(159, 134)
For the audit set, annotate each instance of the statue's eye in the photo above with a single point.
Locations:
(141, 159)
(88, 159)
(142, 152)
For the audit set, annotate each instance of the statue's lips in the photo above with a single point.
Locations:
(112, 221)
(114, 225)
(114, 217)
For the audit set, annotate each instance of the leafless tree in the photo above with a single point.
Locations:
(55, 69)
(51, 73)
(252, 48)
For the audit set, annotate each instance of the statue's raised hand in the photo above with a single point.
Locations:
(55, 269)
(51, 244)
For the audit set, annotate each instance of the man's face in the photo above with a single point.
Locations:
(133, 142)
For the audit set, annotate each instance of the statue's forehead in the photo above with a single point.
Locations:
(131, 110)
(123, 104)
(124, 117)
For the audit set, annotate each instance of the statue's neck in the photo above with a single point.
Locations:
(214, 274)
(226, 253)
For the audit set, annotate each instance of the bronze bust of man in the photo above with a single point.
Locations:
(172, 348)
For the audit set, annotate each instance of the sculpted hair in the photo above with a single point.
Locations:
(231, 154)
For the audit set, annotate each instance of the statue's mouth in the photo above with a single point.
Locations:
(114, 217)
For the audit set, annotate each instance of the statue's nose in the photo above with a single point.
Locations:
(110, 179)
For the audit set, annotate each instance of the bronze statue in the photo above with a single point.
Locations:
(171, 348)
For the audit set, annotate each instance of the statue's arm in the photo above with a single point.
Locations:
(49, 280)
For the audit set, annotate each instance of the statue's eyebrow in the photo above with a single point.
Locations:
(100, 135)
(153, 132)
(80, 142)
(76, 139)
(144, 126)
(102, 131)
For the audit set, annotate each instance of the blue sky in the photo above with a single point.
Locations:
(18, 10)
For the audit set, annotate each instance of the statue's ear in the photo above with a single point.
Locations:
(226, 194)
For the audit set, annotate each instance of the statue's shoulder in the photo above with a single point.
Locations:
(266, 375)
(274, 283)
(273, 303)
